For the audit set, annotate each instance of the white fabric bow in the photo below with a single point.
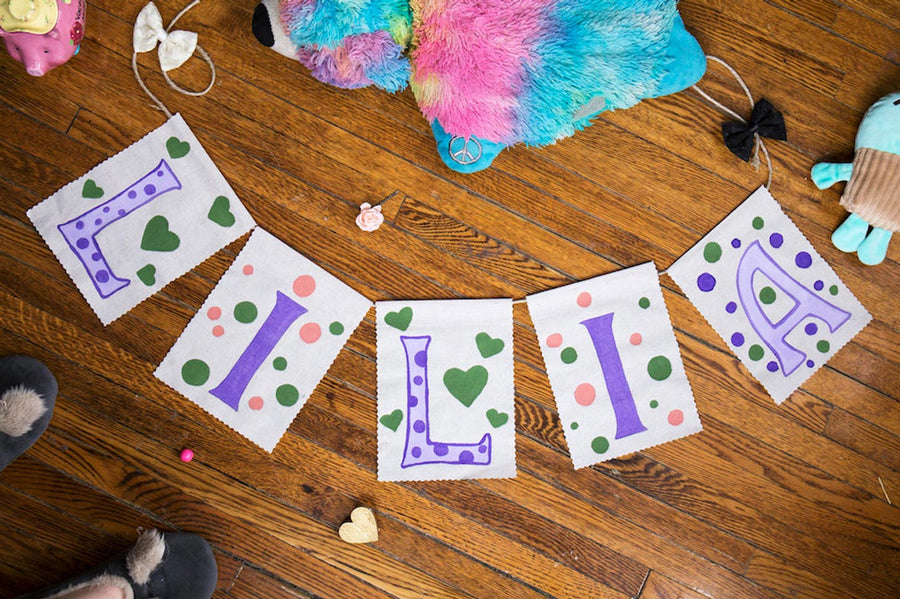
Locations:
(174, 47)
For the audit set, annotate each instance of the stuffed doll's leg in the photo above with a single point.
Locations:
(27, 397)
(268, 30)
(850, 234)
(464, 155)
(685, 62)
(874, 248)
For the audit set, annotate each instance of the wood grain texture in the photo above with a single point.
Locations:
(768, 502)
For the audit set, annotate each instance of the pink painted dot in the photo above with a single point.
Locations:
(214, 313)
(635, 339)
(248, 269)
(554, 340)
(218, 331)
(584, 299)
(255, 403)
(676, 417)
(585, 394)
(310, 332)
(186, 455)
(304, 286)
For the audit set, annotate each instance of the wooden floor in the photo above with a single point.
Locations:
(767, 502)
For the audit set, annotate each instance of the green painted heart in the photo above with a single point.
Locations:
(497, 419)
(177, 148)
(399, 320)
(487, 345)
(466, 385)
(91, 190)
(157, 236)
(147, 275)
(392, 420)
(220, 212)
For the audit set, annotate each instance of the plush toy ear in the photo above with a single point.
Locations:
(267, 28)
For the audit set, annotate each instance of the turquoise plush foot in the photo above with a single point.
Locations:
(850, 234)
(873, 250)
(685, 62)
(464, 155)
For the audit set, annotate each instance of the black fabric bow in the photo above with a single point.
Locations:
(764, 120)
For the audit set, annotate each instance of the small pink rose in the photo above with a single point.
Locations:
(370, 218)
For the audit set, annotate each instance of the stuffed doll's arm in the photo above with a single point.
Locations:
(826, 174)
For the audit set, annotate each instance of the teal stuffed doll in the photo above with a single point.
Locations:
(489, 74)
(872, 195)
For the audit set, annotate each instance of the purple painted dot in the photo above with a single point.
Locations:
(482, 449)
(102, 276)
(105, 209)
(441, 449)
(419, 426)
(731, 307)
(149, 189)
(810, 363)
(417, 380)
(82, 243)
(421, 359)
(466, 457)
(413, 401)
(132, 194)
(121, 212)
(818, 285)
(775, 239)
(417, 452)
(159, 173)
(803, 260)
(735, 243)
(98, 222)
(96, 256)
(772, 367)
(706, 282)
(811, 329)
(79, 225)
(737, 340)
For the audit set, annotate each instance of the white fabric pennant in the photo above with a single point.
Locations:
(141, 219)
(764, 288)
(445, 390)
(263, 339)
(614, 365)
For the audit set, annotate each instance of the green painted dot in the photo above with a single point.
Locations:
(279, 363)
(654, 404)
(712, 252)
(767, 295)
(287, 395)
(758, 223)
(756, 353)
(245, 312)
(644, 303)
(574, 426)
(195, 372)
(833, 290)
(568, 355)
(336, 328)
(659, 368)
(600, 444)
(823, 346)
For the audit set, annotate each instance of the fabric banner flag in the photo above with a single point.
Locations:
(765, 290)
(141, 219)
(614, 364)
(446, 407)
(263, 339)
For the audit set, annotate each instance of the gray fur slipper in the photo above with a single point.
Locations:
(27, 397)
(170, 565)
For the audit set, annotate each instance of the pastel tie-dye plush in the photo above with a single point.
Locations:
(488, 74)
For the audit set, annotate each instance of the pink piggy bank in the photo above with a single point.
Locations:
(42, 34)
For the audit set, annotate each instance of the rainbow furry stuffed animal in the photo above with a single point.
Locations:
(872, 195)
(488, 74)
